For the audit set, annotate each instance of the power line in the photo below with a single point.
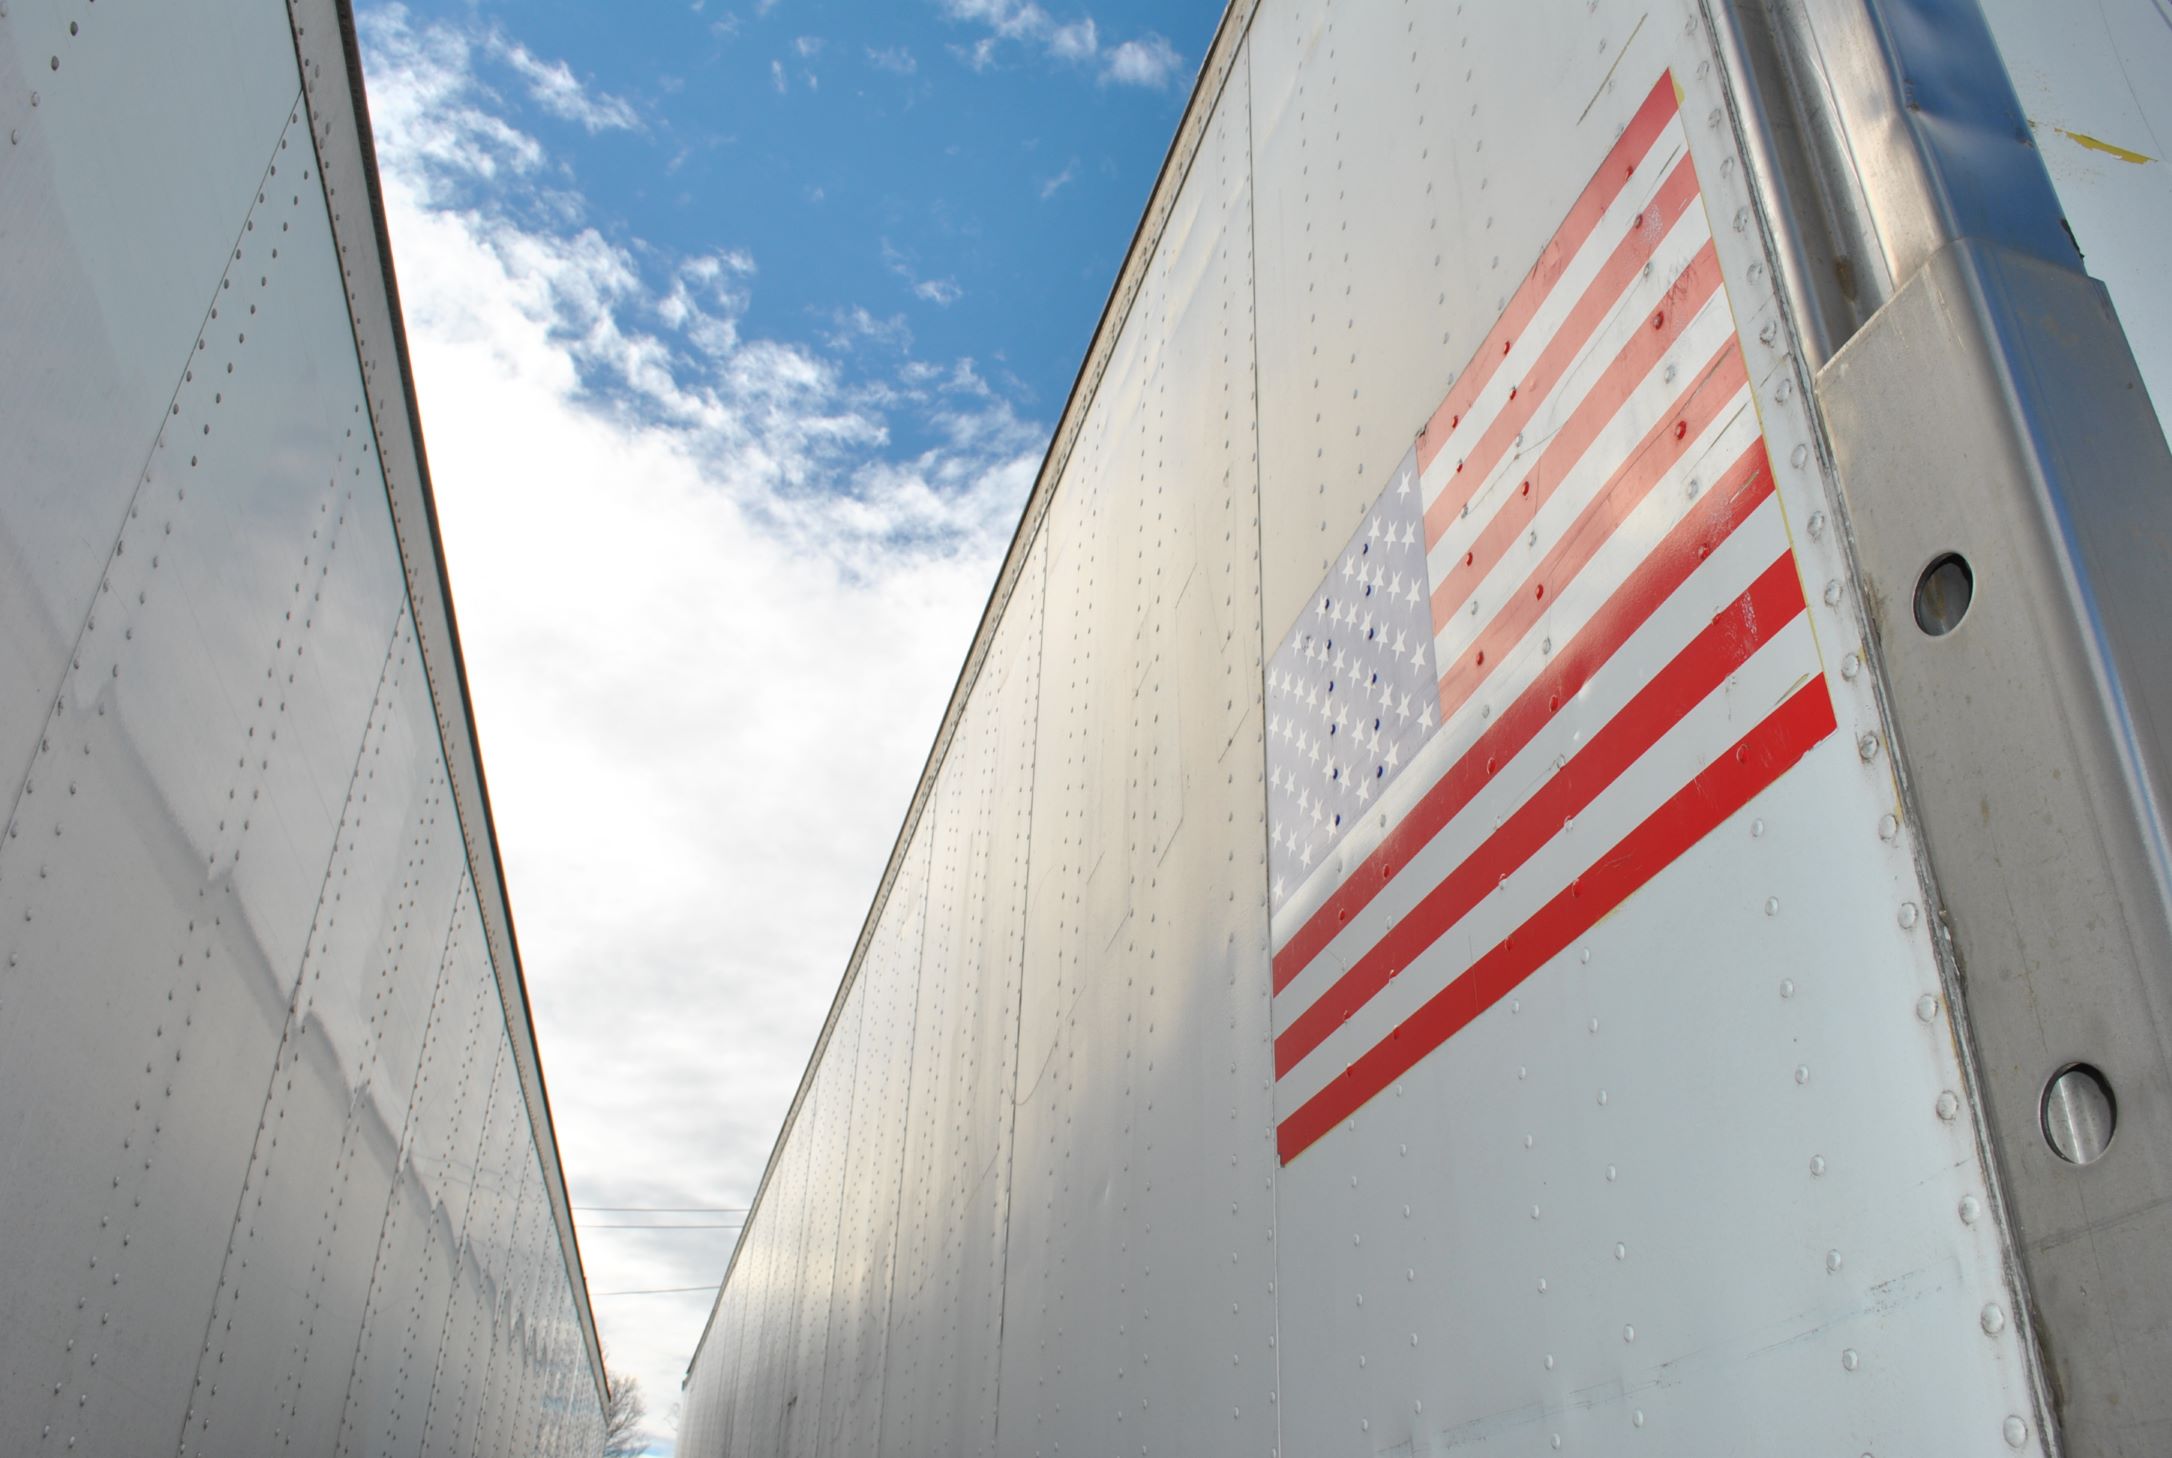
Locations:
(654, 1291)
(725, 1225)
(662, 1209)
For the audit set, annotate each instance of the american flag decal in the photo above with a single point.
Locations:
(1568, 641)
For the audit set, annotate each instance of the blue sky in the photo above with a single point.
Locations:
(738, 333)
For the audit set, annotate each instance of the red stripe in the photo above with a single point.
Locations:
(1658, 453)
(1723, 787)
(1601, 297)
(1724, 645)
(1643, 351)
(1706, 525)
(1598, 195)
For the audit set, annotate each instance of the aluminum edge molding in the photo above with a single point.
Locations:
(1975, 393)
(328, 52)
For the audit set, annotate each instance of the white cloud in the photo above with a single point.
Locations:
(894, 59)
(554, 88)
(808, 46)
(942, 292)
(1053, 185)
(1147, 61)
(1075, 42)
(777, 77)
(1011, 19)
(711, 613)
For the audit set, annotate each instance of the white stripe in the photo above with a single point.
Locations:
(1629, 316)
(1613, 226)
(1724, 716)
(1575, 603)
(1718, 581)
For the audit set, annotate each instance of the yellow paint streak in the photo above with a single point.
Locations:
(2097, 144)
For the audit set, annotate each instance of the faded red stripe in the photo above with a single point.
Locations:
(1699, 807)
(1692, 539)
(1764, 607)
(1689, 292)
(1601, 297)
(1658, 453)
(1598, 195)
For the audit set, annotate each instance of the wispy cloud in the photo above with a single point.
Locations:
(689, 554)
(553, 86)
(895, 59)
(1077, 41)
(1053, 185)
(808, 46)
(1147, 61)
(942, 292)
(778, 79)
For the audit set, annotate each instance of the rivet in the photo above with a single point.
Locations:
(1888, 827)
(1850, 666)
(1849, 1361)
(1832, 1261)
(2017, 1432)
(1971, 1209)
(1832, 593)
(1772, 906)
(1817, 1165)
(1908, 915)
(1994, 1319)
(1927, 1008)
(1816, 525)
(1867, 746)
(1948, 1105)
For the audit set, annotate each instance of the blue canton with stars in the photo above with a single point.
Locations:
(1352, 692)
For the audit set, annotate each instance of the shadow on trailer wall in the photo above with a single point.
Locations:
(276, 1163)
(1553, 838)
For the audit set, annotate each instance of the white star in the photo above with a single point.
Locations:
(1304, 857)
(1278, 888)
(1410, 535)
(1364, 792)
(1402, 709)
(1417, 657)
(1412, 594)
(1395, 584)
(1425, 717)
(1315, 752)
(1402, 482)
(1372, 529)
(1320, 611)
(1401, 644)
(1395, 754)
(1275, 779)
(1346, 569)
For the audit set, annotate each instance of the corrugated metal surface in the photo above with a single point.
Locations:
(1724, 1172)
(278, 1170)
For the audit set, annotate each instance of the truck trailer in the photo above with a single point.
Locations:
(277, 1170)
(1554, 836)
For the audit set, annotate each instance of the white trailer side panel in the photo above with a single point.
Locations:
(276, 1168)
(1639, 1059)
